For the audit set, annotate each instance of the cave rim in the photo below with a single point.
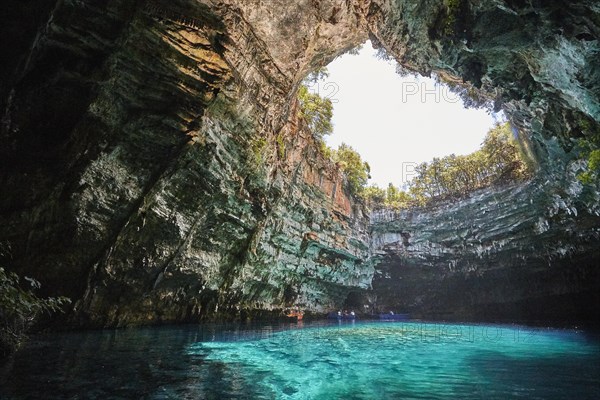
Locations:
(441, 90)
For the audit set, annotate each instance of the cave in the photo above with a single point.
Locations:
(154, 169)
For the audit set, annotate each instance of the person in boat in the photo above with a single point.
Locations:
(297, 313)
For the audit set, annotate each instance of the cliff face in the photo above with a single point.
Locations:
(520, 253)
(153, 171)
(153, 168)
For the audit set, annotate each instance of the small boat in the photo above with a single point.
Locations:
(296, 314)
(339, 315)
(393, 317)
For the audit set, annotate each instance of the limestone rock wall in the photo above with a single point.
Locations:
(536, 60)
(153, 167)
(520, 253)
(527, 252)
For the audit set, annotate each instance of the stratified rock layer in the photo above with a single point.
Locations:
(153, 167)
(519, 253)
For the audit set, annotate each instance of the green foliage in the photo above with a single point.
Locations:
(375, 196)
(280, 147)
(315, 110)
(326, 150)
(589, 129)
(594, 161)
(498, 161)
(382, 53)
(258, 146)
(396, 198)
(593, 168)
(356, 170)
(588, 148)
(19, 309)
(391, 197)
(453, 7)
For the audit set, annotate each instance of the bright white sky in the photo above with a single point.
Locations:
(382, 116)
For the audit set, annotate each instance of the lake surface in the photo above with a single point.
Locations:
(321, 360)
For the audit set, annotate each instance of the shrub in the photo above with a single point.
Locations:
(356, 170)
(19, 309)
(315, 110)
(593, 168)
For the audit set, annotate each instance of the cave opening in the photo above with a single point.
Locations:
(396, 119)
(417, 137)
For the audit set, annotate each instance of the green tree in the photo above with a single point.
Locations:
(315, 110)
(498, 161)
(504, 161)
(356, 170)
(391, 197)
(375, 197)
(396, 198)
(355, 50)
(19, 309)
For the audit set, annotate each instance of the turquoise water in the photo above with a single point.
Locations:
(362, 360)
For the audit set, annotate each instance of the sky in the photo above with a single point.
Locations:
(395, 122)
